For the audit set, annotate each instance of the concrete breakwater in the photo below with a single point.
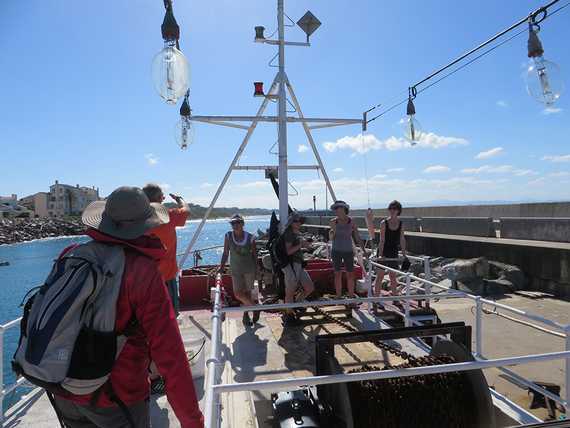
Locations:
(21, 230)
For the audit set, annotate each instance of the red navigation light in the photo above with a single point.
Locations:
(258, 92)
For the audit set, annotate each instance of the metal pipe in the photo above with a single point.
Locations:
(478, 327)
(2, 375)
(264, 167)
(290, 384)
(325, 120)
(238, 154)
(282, 123)
(532, 385)
(567, 367)
(212, 401)
(310, 140)
(526, 323)
(407, 307)
(306, 304)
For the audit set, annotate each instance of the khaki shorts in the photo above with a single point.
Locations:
(243, 281)
(295, 275)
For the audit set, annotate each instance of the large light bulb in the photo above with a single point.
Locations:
(170, 73)
(184, 132)
(412, 129)
(543, 81)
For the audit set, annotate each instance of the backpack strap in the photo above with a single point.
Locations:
(115, 399)
(57, 413)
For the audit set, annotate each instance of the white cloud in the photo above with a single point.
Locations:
(537, 182)
(164, 186)
(302, 148)
(559, 174)
(151, 159)
(379, 176)
(501, 169)
(364, 143)
(206, 185)
(552, 110)
(556, 158)
(338, 170)
(392, 170)
(490, 153)
(502, 103)
(436, 169)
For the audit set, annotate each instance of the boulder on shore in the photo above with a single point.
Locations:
(466, 270)
(20, 230)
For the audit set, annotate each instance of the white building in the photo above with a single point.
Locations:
(64, 200)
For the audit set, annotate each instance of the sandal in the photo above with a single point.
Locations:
(157, 386)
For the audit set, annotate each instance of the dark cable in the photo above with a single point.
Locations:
(389, 109)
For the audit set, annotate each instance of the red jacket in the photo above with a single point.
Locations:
(144, 296)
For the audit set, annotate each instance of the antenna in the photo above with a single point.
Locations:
(277, 91)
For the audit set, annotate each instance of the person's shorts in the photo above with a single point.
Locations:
(243, 281)
(340, 258)
(394, 264)
(294, 275)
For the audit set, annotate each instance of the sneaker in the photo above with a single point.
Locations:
(256, 316)
(245, 320)
(157, 386)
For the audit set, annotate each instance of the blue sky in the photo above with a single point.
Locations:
(78, 104)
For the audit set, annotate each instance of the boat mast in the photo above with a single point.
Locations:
(282, 124)
(279, 89)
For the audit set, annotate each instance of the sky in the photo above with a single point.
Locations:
(79, 106)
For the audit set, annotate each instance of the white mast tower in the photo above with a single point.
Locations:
(278, 90)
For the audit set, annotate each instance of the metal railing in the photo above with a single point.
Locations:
(8, 389)
(215, 388)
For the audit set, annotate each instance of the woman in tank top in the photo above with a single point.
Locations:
(342, 233)
(391, 239)
(239, 245)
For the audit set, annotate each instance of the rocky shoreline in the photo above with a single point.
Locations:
(22, 230)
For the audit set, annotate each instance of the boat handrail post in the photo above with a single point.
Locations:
(212, 402)
(567, 369)
(407, 311)
(1, 375)
(427, 277)
(478, 327)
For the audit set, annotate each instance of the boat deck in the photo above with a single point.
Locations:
(270, 351)
(264, 351)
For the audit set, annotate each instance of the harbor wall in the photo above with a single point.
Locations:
(545, 264)
(541, 209)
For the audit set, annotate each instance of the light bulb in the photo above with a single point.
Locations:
(543, 81)
(170, 73)
(412, 129)
(184, 132)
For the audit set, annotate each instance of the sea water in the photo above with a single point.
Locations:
(30, 263)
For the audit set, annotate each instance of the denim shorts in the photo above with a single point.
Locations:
(340, 258)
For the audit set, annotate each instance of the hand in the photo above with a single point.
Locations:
(176, 198)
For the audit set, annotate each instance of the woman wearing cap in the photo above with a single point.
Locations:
(391, 237)
(240, 246)
(343, 232)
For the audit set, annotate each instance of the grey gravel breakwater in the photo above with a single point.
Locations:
(21, 230)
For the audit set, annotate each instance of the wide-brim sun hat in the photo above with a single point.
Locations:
(126, 214)
(236, 218)
(340, 204)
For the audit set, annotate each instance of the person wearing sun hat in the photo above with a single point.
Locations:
(239, 245)
(123, 219)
